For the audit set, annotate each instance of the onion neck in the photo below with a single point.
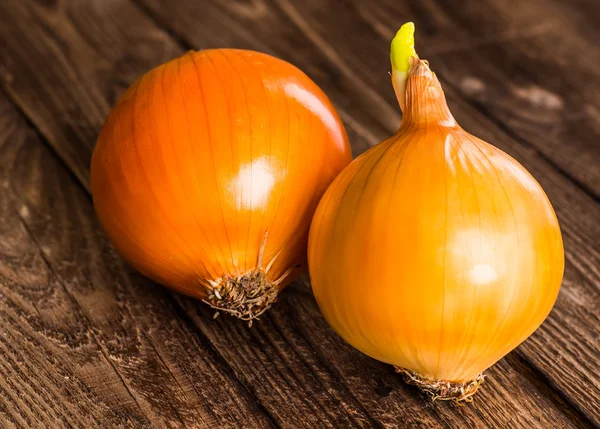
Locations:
(418, 90)
(424, 102)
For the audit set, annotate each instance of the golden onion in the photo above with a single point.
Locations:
(434, 251)
(208, 171)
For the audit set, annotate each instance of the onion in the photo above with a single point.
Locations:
(434, 251)
(208, 171)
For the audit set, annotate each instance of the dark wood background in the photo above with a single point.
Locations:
(87, 342)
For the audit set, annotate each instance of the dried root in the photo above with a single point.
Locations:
(246, 296)
(443, 390)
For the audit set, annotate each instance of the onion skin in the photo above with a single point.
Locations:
(212, 165)
(435, 251)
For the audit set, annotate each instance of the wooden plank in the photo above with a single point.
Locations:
(364, 52)
(52, 369)
(305, 376)
(85, 341)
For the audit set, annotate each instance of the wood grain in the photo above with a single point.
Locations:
(52, 369)
(51, 365)
(85, 339)
(300, 372)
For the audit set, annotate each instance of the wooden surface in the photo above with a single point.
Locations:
(87, 342)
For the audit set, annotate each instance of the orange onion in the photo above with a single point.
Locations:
(434, 251)
(208, 170)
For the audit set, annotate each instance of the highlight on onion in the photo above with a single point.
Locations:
(434, 251)
(208, 170)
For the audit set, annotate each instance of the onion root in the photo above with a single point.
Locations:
(246, 296)
(443, 390)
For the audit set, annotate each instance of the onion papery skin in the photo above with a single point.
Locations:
(208, 170)
(435, 251)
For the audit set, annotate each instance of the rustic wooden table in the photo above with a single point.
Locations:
(87, 342)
